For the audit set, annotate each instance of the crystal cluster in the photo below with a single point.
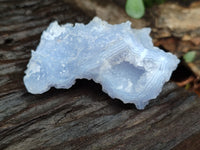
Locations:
(123, 60)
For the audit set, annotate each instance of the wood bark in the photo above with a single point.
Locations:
(82, 117)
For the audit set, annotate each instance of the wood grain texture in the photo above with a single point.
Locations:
(82, 117)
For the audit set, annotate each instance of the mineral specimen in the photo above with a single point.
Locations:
(123, 60)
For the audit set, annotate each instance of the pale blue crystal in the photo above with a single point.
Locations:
(123, 60)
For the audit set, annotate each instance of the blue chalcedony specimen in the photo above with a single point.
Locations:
(123, 60)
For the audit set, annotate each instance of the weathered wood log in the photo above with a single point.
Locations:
(82, 117)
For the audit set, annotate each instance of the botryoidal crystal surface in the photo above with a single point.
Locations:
(123, 60)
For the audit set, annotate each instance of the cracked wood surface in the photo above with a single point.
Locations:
(82, 117)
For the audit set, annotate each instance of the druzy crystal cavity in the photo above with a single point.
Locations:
(123, 60)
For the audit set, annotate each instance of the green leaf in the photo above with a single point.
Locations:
(135, 8)
(189, 56)
(150, 3)
(187, 86)
(159, 1)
